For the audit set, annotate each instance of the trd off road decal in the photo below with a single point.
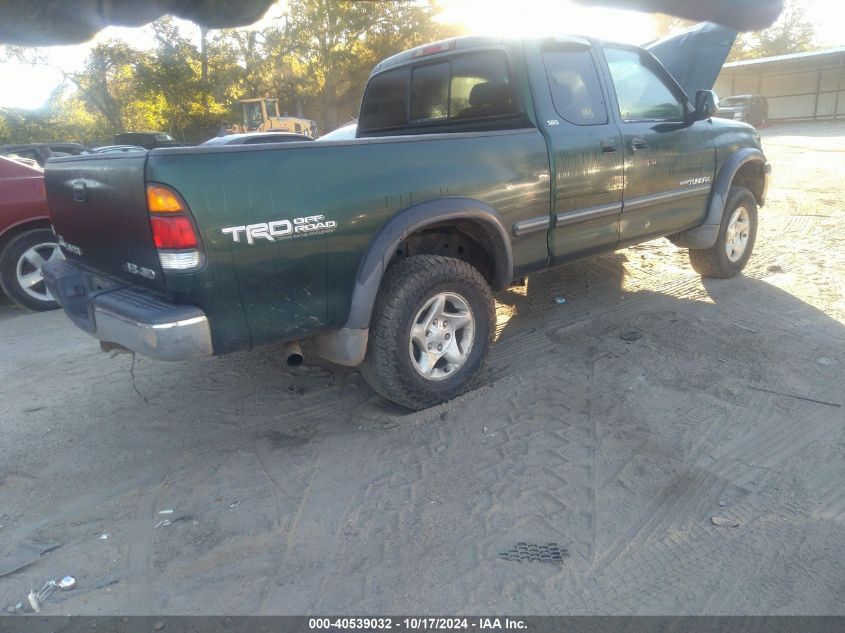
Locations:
(282, 229)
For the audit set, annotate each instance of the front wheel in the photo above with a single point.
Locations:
(737, 233)
(431, 331)
(20, 268)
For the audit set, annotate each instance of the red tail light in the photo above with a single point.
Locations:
(173, 232)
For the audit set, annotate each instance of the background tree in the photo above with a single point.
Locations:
(328, 47)
(792, 33)
(315, 60)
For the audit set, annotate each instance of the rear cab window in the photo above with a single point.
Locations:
(466, 88)
(574, 84)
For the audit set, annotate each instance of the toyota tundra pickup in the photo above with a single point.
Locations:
(477, 161)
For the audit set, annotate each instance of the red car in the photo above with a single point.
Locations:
(26, 237)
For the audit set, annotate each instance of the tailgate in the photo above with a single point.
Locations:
(98, 209)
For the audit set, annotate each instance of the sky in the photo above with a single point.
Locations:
(29, 87)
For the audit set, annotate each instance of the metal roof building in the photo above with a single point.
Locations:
(801, 86)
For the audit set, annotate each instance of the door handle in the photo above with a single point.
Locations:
(637, 143)
(80, 192)
(608, 147)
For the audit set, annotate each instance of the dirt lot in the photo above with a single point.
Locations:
(299, 491)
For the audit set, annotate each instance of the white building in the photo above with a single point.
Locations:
(801, 86)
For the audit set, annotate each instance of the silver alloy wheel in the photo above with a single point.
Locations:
(736, 238)
(442, 335)
(29, 266)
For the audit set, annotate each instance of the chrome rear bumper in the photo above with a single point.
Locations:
(129, 316)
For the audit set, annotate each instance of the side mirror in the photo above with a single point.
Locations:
(706, 104)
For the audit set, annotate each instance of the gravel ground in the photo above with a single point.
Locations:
(300, 491)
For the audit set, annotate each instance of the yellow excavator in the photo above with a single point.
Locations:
(262, 114)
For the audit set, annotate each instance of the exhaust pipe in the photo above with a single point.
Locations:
(293, 354)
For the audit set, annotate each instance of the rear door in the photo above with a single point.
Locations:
(669, 160)
(585, 148)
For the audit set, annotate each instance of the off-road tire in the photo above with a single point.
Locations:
(406, 288)
(714, 261)
(9, 258)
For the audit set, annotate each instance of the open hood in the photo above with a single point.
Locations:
(695, 56)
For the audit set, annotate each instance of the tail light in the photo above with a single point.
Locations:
(174, 234)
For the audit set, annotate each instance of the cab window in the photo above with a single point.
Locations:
(430, 92)
(574, 84)
(466, 87)
(641, 93)
(480, 87)
(386, 100)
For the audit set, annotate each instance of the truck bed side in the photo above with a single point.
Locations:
(287, 286)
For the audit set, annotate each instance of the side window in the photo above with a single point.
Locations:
(467, 87)
(386, 100)
(480, 87)
(642, 94)
(574, 84)
(430, 92)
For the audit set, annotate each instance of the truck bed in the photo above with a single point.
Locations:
(98, 206)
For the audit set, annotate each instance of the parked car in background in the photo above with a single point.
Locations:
(40, 152)
(148, 140)
(753, 109)
(26, 239)
(255, 138)
(29, 162)
(348, 131)
(111, 149)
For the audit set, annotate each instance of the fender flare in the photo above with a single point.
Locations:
(384, 244)
(706, 234)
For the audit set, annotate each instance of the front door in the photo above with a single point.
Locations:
(585, 150)
(669, 159)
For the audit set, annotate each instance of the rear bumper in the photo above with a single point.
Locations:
(128, 315)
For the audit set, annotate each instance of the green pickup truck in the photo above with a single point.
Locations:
(477, 161)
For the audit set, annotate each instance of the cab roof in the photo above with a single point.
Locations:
(442, 46)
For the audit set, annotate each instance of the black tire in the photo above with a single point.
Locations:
(12, 257)
(407, 288)
(714, 261)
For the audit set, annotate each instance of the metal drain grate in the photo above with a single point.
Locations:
(530, 552)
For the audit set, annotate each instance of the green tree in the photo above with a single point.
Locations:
(792, 33)
(107, 83)
(315, 60)
(172, 83)
(326, 48)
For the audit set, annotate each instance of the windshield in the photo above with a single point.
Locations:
(252, 115)
(161, 136)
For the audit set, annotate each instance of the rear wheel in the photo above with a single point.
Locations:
(430, 332)
(20, 268)
(737, 233)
